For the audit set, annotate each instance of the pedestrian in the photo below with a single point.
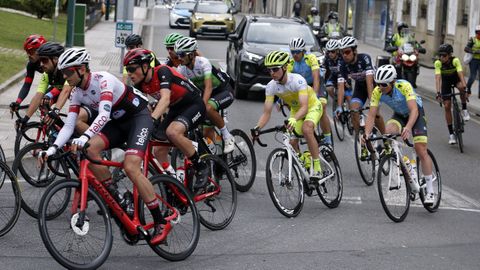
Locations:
(473, 47)
(297, 8)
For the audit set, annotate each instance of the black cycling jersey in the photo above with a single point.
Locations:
(27, 83)
(357, 71)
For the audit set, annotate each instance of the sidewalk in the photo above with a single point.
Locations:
(426, 79)
(99, 41)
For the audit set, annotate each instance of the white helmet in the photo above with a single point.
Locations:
(385, 74)
(332, 45)
(297, 44)
(73, 57)
(477, 28)
(185, 44)
(348, 42)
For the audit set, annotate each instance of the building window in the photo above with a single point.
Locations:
(406, 7)
(464, 10)
(423, 8)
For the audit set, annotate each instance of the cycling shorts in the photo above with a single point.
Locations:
(221, 98)
(314, 114)
(360, 93)
(447, 84)
(419, 130)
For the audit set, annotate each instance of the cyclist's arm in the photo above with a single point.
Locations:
(207, 91)
(162, 104)
(67, 130)
(303, 100)
(62, 98)
(438, 76)
(27, 83)
(369, 79)
(316, 81)
(104, 110)
(468, 48)
(267, 112)
(413, 113)
(369, 73)
(37, 99)
(340, 93)
(458, 66)
(370, 119)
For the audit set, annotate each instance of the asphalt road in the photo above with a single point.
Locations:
(356, 235)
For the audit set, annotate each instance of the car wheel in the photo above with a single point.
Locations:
(239, 92)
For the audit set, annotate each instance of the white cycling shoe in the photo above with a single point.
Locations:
(452, 139)
(466, 115)
(229, 145)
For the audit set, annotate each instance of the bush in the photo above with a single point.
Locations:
(41, 8)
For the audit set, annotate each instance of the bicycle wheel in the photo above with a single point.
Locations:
(183, 238)
(339, 128)
(3, 174)
(393, 189)
(10, 200)
(71, 245)
(458, 126)
(30, 134)
(366, 166)
(286, 194)
(242, 161)
(330, 191)
(349, 122)
(437, 184)
(217, 211)
(34, 180)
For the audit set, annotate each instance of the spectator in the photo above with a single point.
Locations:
(297, 8)
(473, 47)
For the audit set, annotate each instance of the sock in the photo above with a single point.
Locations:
(316, 165)
(450, 129)
(225, 133)
(464, 106)
(155, 210)
(428, 180)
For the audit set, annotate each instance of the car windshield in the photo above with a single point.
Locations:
(274, 33)
(185, 5)
(219, 8)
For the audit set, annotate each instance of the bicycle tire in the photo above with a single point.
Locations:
(396, 205)
(437, 184)
(3, 174)
(25, 166)
(210, 207)
(457, 122)
(27, 135)
(185, 227)
(296, 186)
(53, 230)
(366, 168)
(238, 161)
(350, 127)
(334, 184)
(339, 128)
(10, 201)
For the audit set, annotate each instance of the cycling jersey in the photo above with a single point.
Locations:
(27, 83)
(202, 69)
(107, 95)
(290, 92)
(449, 69)
(304, 67)
(357, 71)
(474, 45)
(397, 99)
(51, 83)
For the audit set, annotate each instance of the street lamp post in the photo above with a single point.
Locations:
(70, 23)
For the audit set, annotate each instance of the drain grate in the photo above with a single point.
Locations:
(111, 59)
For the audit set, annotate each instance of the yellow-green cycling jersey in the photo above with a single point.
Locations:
(449, 69)
(48, 81)
(304, 67)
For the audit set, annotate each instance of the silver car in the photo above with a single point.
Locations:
(180, 14)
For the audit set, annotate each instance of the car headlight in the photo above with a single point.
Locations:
(413, 57)
(253, 57)
(229, 19)
(405, 57)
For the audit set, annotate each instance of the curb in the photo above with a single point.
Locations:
(12, 80)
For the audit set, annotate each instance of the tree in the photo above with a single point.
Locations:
(41, 8)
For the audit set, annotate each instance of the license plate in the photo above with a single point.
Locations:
(214, 27)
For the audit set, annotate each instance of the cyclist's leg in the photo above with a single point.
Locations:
(359, 98)
(222, 99)
(463, 97)
(325, 122)
(447, 104)
(308, 129)
(85, 116)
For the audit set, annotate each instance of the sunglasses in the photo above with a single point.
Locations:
(170, 48)
(131, 69)
(383, 85)
(332, 51)
(443, 55)
(346, 52)
(44, 60)
(181, 54)
(69, 71)
(273, 69)
(296, 51)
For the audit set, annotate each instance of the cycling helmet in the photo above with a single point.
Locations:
(137, 56)
(185, 44)
(332, 45)
(33, 42)
(133, 40)
(401, 25)
(333, 15)
(171, 38)
(73, 57)
(297, 44)
(385, 74)
(348, 42)
(276, 59)
(50, 49)
(445, 48)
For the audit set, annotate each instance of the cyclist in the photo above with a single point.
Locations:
(408, 117)
(307, 66)
(182, 99)
(134, 41)
(473, 47)
(333, 29)
(31, 44)
(357, 67)
(122, 116)
(448, 74)
(169, 42)
(331, 65)
(306, 109)
(217, 94)
(51, 83)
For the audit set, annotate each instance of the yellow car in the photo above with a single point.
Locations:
(212, 18)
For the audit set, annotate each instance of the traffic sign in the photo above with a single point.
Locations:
(123, 30)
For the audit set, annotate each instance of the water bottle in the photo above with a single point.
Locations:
(362, 120)
(127, 203)
(413, 173)
(211, 146)
(181, 174)
(413, 183)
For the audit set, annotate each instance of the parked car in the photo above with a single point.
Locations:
(212, 18)
(179, 15)
(256, 36)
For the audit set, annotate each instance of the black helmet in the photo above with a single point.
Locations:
(333, 15)
(133, 40)
(401, 25)
(50, 49)
(445, 48)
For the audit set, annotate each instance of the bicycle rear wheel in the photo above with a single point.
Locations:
(72, 245)
(286, 193)
(3, 174)
(35, 180)
(10, 200)
(393, 189)
(366, 166)
(330, 191)
(458, 126)
(183, 238)
(217, 211)
(242, 161)
(436, 182)
(30, 134)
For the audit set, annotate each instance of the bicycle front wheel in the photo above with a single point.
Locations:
(31, 133)
(436, 183)
(458, 126)
(217, 211)
(242, 161)
(286, 192)
(331, 190)
(10, 200)
(393, 188)
(365, 164)
(73, 245)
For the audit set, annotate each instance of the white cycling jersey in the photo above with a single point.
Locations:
(202, 69)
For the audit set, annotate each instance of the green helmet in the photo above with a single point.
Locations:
(171, 38)
(276, 59)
